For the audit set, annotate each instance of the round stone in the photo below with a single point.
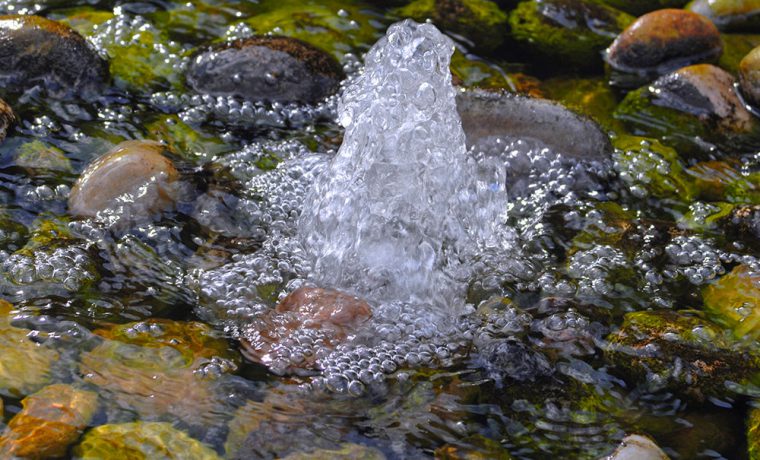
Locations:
(664, 40)
(133, 173)
(7, 118)
(37, 51)
(263, 68)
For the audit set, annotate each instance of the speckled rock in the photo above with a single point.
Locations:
(141, 441)
(749, 76)
(730, 15)
(134, 173)
(37, 51)
(660, 42)
(51, 420)
(264, 68)
(7, 119)
(637, 447)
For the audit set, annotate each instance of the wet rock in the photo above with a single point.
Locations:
(24, 364)
(683, 353)
(487, 114)
(133, 174)
(480, 21)
(694, 109)
(37, 51)
(7, 119)
(749, 76)
(474, 448)
(13, 234)
(753, 433)
(49, 422)
(512, 359)
(141, 441)
(734, 301)
(183, 366)
(266, 68)
(637, 447)
(575, 31)
(735, 48)
(650, 168)
(592, 97)
(723, 181)
(332, 315)
(660, 42)
(729, 15)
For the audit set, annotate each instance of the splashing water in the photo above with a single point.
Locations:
(402, 205)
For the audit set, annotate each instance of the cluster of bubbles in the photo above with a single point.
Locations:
(62, 269)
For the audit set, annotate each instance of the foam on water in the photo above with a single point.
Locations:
(402, 205)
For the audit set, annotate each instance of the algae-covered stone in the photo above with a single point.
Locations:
(49, 422)
(162, 370)
(729, 15)
(133, 170)
(678, 351)
(481, 21)
(735, 48)
(660, 42)
(346, 451)
(703, 217)
(592, 97)
(319, 23)
(141, 441)
(473, 448)
(24, 364)
(753, 433)
(13, 234)
(266, 68)
(649, 167)
(574, 31)
(37, 51)
(734, 301)
(7, 119)
(475, 73)
(190, 142)
(722, 181)
(749, 76)
(37, 155)
(695, 109)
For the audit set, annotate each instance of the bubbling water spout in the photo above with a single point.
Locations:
(402, 205)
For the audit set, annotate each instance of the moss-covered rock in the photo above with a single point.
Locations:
(573, 31)
(694, 109)
(37, 155)
(191, 143)
(475, 73)
(753, 433)
(592, 97)
(141, 441)
(729, 15)
(722, 181)
(13, 234)
(735, 48)
(318, 23)
(24, 364)
(679, 351)
(661, 42)
(649, 167)
(266, 68)
(50, 421)
(481, 21)
(639, 7)
(734, 301)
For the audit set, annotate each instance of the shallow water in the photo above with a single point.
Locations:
(581, 244)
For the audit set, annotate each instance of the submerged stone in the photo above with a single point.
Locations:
(660, 42)
(331, 314)
(474, 448)
(50, 421)
(24, 364)
(639, 7)
(347, 451)
(729, 15)
(637, 447)
(37, 156)
(753, 433)
(749, 76)
(266, 68)
(694, 109)
(141, 441)
(37, 51)
(487, 115)
(574, 31)
(134, 174)
(512, 360)
(683, 353)
(735, 48)
(480, 21)
(734, 301)
(7, 119)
